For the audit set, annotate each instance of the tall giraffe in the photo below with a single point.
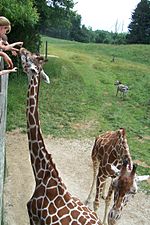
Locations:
(51, 203)
(110, 149)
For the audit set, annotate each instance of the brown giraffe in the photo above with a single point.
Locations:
(124, 187)
(109, 150)
(51, 203)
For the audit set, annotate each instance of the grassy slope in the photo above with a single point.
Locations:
(81, 101)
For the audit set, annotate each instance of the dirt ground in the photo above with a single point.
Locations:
(72, 158)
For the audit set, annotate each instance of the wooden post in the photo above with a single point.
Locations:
(3, 114)
(46, 46)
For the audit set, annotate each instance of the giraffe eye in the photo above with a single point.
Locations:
(34, 71)
(133, 191)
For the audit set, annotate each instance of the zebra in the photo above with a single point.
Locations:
(121, 87)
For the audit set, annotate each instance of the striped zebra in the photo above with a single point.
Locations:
(121, 88)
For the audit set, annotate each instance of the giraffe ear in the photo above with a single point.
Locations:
(142, 178)
(44, 77)
(123, 131)
(133, 170)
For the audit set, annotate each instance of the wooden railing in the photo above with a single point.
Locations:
(3, 115)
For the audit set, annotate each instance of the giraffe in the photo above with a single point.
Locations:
(124, 188)
(109, 150)
(51, 203)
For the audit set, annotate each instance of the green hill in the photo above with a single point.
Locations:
(81, 100)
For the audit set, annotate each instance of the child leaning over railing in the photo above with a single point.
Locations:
(5, 28)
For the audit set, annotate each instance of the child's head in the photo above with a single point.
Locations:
(4, 22)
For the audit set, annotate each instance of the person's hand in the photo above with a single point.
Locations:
(14, 53)
(7, 59)
(3, 72)
(19, 44)
(12, 47)
(13, 69)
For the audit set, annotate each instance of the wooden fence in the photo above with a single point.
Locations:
(3, 114)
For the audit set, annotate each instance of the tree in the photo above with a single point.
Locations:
(30, 18)
(139, 28)
(54, 17)
(75, 31)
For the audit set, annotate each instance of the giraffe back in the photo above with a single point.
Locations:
(111, 148)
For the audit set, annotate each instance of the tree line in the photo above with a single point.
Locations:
(57, 18)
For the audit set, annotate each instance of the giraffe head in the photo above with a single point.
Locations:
(33, 64)
(125, 187)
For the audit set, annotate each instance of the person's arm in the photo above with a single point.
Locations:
(3, 72)
(11, 47)
(7, 59)
(4, 42)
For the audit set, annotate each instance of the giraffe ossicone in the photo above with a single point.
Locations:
(51, 203)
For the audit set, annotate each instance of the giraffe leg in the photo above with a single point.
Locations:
(117, 92)
(95, 166)
(107, 203)
(103, 191)
(99, 187)
(123, 95)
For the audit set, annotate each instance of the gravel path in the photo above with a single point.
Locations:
(72, 158)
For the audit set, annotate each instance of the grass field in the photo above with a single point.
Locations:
(80, 102)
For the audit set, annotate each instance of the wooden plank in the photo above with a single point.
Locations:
(3, 114)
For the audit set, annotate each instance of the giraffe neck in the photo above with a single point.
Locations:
(40, 158)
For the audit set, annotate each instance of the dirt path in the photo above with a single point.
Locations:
(73, 161)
